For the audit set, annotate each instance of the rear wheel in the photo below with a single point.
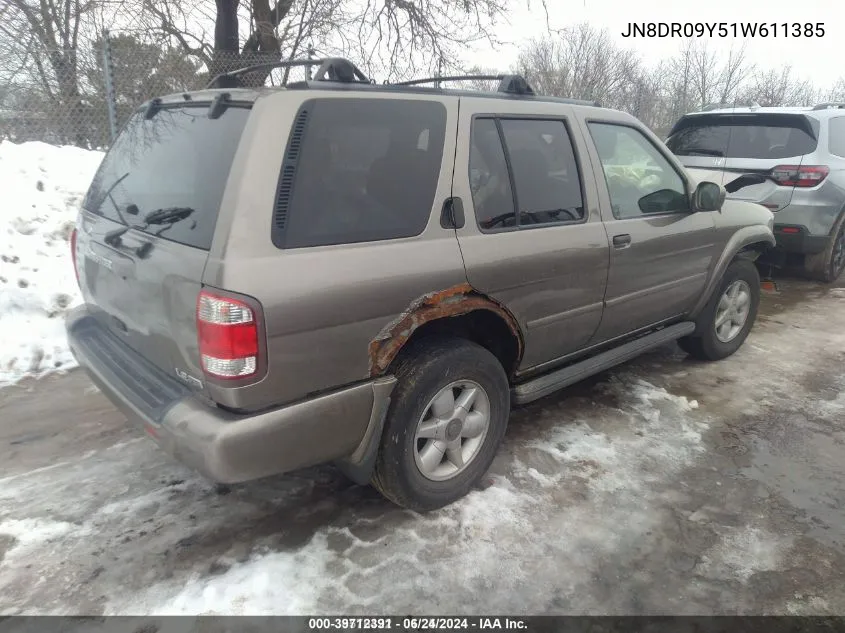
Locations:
(446, 421)
(828, 265)
(728, 317)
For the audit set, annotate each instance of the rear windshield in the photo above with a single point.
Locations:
(367, 171)
(178, 159)
(765, 136)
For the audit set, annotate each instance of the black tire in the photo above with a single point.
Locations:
(422, 372)
(824, 266)
(703, 344)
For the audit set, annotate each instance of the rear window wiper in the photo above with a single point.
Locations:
(158, 216)
(700, 150)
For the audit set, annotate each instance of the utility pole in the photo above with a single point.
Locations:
(311, 54)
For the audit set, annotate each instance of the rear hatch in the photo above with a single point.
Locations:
(147, 224)
(762, 143)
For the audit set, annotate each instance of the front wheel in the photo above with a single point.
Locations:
(446, 421)
(728, 317)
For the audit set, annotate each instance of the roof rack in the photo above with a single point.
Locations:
(330, 69)
(832, 104)
(511, 84)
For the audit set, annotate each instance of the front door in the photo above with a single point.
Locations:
(660, 251)
(533, 237)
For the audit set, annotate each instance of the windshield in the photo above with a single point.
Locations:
(744, 136)
(178, 159)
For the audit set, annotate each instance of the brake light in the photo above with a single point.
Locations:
(799, 175)
(228, 337)
(73, 254)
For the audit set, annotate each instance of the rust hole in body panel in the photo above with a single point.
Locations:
(454, 301)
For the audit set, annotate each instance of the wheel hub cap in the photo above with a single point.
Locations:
(732, 311)
(451, 430)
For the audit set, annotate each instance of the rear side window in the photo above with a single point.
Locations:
(366, 170)
(836, 138)
(763, 136)
(543, 172)
(489, 179)
(548, 186)
(178, 159)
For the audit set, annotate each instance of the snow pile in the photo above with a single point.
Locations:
(43, 186)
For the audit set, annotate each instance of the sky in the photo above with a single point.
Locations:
(814, 58)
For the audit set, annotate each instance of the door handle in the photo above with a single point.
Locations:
(621, 241)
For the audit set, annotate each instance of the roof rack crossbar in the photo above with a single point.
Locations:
(330, 69)
(430, 80)
(511, 84)
(830, 104)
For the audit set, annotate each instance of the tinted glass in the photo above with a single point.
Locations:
(179, 158)
(761, 137)
(548, 187)
(639, 179)
(489, 179)
(368, 170)
(836, 138)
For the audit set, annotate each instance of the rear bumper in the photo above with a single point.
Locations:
(797, 239)
(228, 447)
(813, 212)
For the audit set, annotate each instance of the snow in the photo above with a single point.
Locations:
(481, 542)
(43, 186)
(34, 531)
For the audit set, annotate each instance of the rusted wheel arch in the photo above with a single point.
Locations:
(454, 301)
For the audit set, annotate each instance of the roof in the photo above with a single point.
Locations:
(819, 110)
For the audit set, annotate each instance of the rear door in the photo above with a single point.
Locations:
(660, 252)
(738, 143)
(533, 237)
(142, 283)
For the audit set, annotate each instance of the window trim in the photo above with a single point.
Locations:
(830, 136)
(279, 236)
(497, 118)
(667, 156)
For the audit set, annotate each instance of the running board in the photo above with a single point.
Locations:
(549, 383)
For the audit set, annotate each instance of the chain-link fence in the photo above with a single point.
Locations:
(83, 96)
(87, 106)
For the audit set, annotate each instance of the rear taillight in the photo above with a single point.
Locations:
(228, 336)
(799, 175)
(73, 254)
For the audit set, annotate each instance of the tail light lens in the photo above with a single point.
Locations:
(799, 175)
(73, 254)
(228, 337)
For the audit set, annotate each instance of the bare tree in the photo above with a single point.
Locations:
(43, 37)
(779, 88)
(734, 72)
(580, 62)
(705, 74)
(836, 93)
(393, 36)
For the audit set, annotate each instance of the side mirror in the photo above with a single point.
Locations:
(708, 196)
